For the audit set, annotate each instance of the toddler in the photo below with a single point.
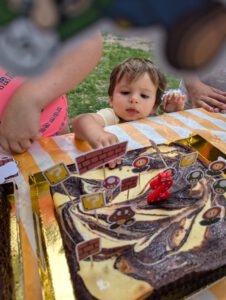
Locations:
(135, 91)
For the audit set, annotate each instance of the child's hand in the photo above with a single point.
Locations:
(173, 101)
(102, 139)
(19, 125)
(90, 127)
(105, 139)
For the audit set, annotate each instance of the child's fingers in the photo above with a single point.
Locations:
(110, 139)
(4, 144)
(105, 143)
(181, 98)
(25, 144)
(95, 144)
(16, 147)
(177, 96)
(184, 97)
(165, 99)
(173, 97)
(112, 164)
(113, 139)
(105, 140)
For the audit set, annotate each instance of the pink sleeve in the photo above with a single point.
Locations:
(9, 82)
(54, 117)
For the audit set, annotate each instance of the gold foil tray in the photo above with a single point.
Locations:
(56, 282)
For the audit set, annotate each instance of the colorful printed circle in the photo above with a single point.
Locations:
(141, 162)
(217, 166)
(194, 176)
(219, 186)
(111, 182)
(212, 213)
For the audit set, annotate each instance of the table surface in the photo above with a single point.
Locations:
(164, 128)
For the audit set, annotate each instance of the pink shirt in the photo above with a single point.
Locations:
(54, 117)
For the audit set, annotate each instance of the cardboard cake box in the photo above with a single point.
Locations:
(115, 269)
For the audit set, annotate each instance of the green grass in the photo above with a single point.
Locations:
(91, 95)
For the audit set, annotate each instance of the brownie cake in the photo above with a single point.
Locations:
(6, 273)
(171, 250)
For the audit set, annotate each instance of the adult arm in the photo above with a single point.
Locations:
(21, 119)
(203, 95)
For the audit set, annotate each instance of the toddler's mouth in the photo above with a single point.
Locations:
(132, 111)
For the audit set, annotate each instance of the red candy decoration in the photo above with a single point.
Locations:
(160, 186)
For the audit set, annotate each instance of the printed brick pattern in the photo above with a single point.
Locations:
(97, 158)
(87, 248)
(129, 183)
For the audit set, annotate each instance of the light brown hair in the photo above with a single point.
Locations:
(133, 68)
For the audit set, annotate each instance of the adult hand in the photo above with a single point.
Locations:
(20, 124)
(203, 95)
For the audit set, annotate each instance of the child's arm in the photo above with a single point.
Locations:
(90, 127)
(20, 122)
(173, 101)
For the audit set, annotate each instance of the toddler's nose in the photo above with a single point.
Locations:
(133, 99)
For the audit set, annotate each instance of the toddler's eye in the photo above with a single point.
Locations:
(144, 96)
(124, 92)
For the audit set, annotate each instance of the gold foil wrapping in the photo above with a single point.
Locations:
(206, 150)
(53, 266)
(56, 280)
(15, 250)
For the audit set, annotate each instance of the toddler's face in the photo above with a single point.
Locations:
(134, 100)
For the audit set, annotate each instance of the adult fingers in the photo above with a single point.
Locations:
(219, 91)
(212, 102)
(204, 105)
(219, 95)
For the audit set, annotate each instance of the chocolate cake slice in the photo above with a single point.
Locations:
(170, 251)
